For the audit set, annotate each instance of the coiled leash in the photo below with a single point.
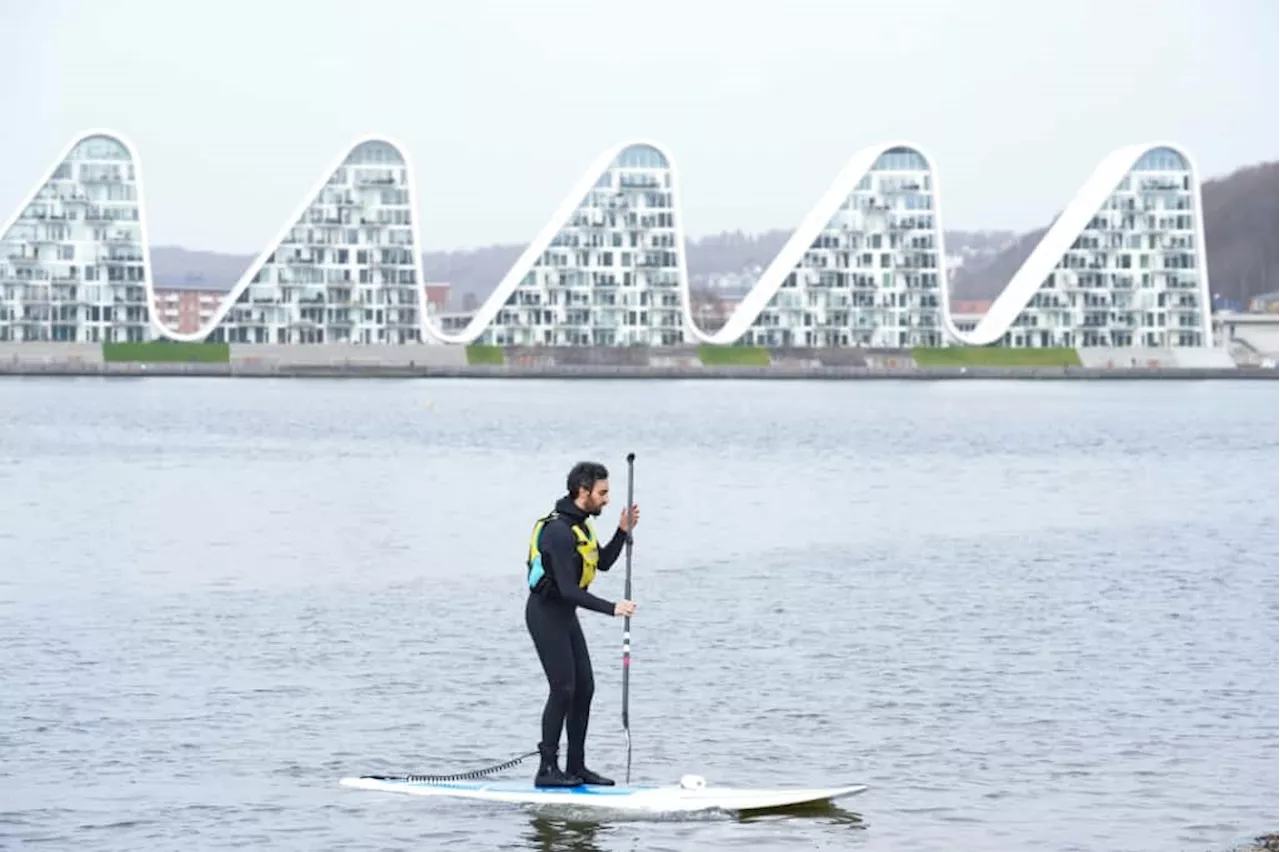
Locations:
(461, 776)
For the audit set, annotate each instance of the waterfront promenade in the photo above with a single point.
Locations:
(434, 361)
(567, 371)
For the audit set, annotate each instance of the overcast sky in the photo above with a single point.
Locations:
(237, 107)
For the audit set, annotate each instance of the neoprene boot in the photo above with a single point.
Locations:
(589, 777)
(575, 766)
(549, 774)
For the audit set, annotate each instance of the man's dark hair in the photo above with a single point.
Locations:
(585, 475)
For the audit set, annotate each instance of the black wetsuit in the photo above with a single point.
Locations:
(551, 616)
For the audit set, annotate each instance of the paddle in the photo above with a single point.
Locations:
(626, 621)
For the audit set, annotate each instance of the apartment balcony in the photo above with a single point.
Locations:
(48, 240)
(639, 181)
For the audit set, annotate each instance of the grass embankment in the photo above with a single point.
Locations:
(733, 356)
(994, 356)
(167, 351)
(481, 355)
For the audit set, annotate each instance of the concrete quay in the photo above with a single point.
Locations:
(775, 372)
(332, 361)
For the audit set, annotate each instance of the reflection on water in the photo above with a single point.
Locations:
(550, 830)
(827, 812)
(552, 834)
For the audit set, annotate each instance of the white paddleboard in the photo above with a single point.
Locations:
(690, 795)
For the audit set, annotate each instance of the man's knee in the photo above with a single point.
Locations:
(585, 687)
(564, 690)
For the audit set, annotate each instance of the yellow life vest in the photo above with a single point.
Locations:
(588, 549)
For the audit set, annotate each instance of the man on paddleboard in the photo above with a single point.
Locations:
(563, 559)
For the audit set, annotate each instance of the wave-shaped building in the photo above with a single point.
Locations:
(74, 262)
(1122, 265)
(864, 268)
(608, 269)
(344, 269)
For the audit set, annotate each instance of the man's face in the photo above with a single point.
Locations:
(597, 498)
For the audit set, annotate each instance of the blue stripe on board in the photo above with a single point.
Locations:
(517, 787)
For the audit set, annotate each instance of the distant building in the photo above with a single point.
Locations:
(73, 258)
(437, 298)
(862, 269)
(607, 270)
(1264, 304)
(187, 308)
(1122, 266)
(965, 313)
(970, 306)
(345, 269)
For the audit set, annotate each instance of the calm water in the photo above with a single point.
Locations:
(1030, 616)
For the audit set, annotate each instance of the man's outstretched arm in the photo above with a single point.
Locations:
(610, 552)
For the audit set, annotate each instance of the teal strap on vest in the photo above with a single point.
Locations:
(536, 573)
(533, 563)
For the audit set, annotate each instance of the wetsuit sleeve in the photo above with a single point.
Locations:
(558, 553)
(610, 552)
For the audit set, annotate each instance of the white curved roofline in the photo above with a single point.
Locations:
(61, 158)
(1048, 253)
(140, 201)
(486, 313)
(309, 199)
(784, 263)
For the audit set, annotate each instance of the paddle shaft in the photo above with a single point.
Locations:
(626, 620)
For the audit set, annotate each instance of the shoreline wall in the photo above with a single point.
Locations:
(690, 362)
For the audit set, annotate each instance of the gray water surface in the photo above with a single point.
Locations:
(1031, 616)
